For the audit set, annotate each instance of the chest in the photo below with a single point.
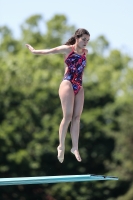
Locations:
(76, 61)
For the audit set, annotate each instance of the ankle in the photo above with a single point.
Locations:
(74, 148)
(61, 147)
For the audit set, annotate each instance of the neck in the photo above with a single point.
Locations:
(77, 49)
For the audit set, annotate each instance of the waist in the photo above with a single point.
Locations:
(73, 78)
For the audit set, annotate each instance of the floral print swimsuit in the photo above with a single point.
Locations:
(76, 64)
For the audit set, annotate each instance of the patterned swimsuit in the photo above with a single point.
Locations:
(76, 64)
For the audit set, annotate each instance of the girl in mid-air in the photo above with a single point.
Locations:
(71, 91)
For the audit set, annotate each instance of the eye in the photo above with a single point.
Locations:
(85, 40)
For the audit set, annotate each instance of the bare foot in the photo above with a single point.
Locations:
(60, 154)
(77, 155)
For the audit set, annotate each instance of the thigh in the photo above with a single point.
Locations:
(78, 103)
(66, 95)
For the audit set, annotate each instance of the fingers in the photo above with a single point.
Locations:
(29, 47)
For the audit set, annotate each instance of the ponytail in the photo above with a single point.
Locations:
(71, 41)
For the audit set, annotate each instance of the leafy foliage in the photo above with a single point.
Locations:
(31, 113)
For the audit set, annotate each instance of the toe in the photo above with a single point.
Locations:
(60, 154)
(77, 155)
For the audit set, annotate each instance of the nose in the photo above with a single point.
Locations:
(85, 43)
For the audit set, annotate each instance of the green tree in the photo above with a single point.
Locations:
(8, 43)
(31, 113)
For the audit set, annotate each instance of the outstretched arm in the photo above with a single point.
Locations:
(64, 49)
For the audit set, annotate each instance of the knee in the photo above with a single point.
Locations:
(76, 118)
(68, 118)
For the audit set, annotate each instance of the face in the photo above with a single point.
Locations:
(83, 41)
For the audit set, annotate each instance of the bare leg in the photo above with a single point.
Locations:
(67, 101)
(75, 124)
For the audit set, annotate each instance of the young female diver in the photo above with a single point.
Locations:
(71, 91)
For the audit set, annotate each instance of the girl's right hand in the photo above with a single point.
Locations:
(30, 47)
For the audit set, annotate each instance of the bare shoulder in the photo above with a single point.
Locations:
(86, 51)
(65, 49)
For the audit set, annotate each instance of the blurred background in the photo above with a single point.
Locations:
(30, 111)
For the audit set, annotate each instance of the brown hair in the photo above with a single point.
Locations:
(77, 34)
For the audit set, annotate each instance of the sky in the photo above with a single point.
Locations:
(111, 18)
